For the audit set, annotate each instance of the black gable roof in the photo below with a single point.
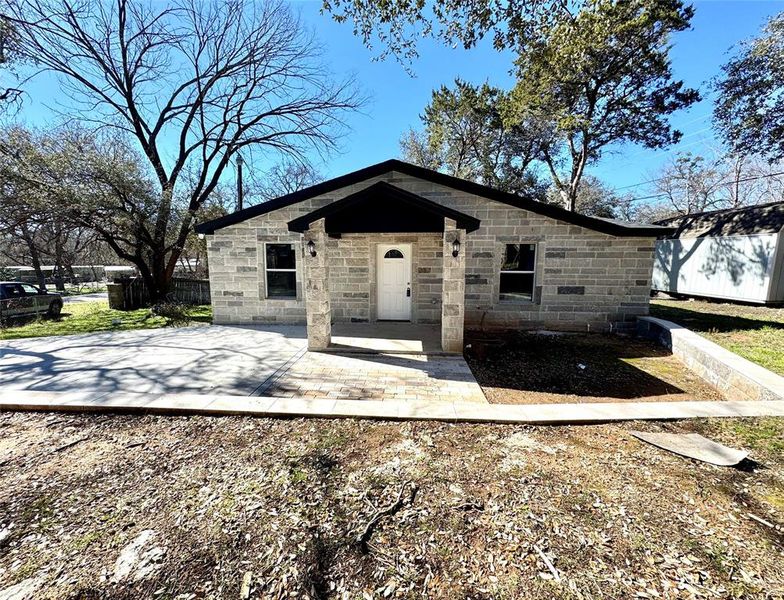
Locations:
(383, 207)
(608, 226)
(747, 220)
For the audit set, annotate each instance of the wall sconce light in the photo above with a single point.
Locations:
(456, 247)
(312, 248)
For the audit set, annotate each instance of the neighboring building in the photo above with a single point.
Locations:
(399, 242)
(82, 272)
(735, 254)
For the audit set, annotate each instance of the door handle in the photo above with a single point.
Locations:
(408, 292)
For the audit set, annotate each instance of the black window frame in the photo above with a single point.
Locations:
(510, 272)
(268, 270)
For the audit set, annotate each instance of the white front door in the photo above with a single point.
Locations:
(394, 282)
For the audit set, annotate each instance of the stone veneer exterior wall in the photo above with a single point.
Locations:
(585, 280)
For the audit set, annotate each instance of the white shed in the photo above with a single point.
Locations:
(735, 254)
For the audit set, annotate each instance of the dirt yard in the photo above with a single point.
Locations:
(531, 368)
(177, 507)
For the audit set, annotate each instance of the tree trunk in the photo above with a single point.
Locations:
(569, 197)
(35, 258)
(149, 279)
(157, 281)
(58, 257)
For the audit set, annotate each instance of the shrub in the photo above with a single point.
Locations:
(175, 313)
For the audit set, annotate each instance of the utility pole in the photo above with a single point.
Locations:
(240, 192)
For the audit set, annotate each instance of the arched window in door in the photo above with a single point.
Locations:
(393, 254)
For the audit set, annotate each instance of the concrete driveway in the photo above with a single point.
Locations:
(237, 360)
(202, 359)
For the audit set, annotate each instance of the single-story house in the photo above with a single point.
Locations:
(395, 241)
(735, 254)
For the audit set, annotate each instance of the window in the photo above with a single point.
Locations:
(393, 254)
(12, 290)
(30, 290)
(517, 272)
(281, 271)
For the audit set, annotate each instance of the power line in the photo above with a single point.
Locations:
(626, 187)
(633, 185)
(677, 147)
(702, 117)
(731, 182)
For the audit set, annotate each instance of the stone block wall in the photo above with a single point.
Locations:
(236, 259)
(353, 275)
(585, 280)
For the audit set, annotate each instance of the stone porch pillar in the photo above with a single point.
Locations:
(453, 291)
(317, 303)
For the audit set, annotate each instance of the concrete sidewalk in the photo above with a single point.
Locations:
(206, 404)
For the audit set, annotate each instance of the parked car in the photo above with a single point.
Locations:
(18, 299)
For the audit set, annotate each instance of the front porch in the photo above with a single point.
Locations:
(387, 337)
(364, 375)
(384, 254)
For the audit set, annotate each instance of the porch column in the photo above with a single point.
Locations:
(317, 304)
(453, 291)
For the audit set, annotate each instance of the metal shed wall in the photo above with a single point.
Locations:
(776, 294)
(747, 268)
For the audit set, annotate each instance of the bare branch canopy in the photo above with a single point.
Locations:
(193, 83)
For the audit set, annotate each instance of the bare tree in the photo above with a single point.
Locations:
(693, 183)
(415, 148)
(193, 84)
(21, 219)
(10, 95)
(690, 184)
(284, 178)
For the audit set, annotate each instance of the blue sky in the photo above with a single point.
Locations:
(397, 99)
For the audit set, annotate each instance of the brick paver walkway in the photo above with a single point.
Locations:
(375, 377)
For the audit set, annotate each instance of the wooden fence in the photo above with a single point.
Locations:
(191, 291)
(183, 290)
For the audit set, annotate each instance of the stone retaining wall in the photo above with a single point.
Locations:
(733, 375)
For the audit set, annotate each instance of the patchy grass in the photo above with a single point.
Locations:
(90, 317)
(766, 435)
(280, 503)
(535, 368)
(753, 332)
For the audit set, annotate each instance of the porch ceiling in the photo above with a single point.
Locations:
(384, 208)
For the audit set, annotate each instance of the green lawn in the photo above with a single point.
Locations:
(89, 317)
(754, 332)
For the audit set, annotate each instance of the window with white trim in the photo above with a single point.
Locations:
(281, 270)
(518, 272)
